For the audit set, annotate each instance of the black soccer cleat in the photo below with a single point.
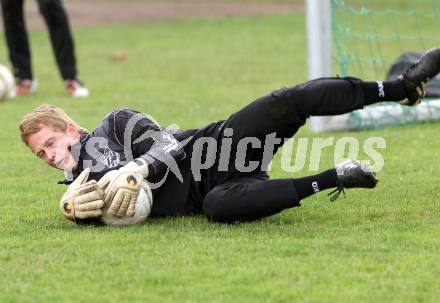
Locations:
(353, 174)
(416, 76)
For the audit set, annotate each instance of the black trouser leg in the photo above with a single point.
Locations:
(282, 113)
(249, 198)
(245, 196)
(324, 97)
(285, 110)
(252, 197)
(60, 36)
(16, 38)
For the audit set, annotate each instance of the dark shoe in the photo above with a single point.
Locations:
(353, 174)
(416, 76)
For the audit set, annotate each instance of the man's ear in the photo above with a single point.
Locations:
(72, 131)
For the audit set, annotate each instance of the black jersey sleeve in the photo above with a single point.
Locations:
(147, 140)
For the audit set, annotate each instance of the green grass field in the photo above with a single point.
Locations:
(372, 246)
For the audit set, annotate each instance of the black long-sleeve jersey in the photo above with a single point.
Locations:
(125, 135)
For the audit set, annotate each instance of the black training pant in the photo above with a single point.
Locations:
(245, 196)
(17, 39)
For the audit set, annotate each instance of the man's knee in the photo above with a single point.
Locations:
(290, 104)
(214, 206)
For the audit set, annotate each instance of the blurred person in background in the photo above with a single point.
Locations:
(61, 39)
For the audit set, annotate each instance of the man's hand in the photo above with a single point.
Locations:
(122, 188)
(82, 199)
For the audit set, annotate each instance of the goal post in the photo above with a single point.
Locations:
(363, 38)
(319, 47)
(318, 16)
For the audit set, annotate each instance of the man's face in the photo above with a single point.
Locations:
(53, 146)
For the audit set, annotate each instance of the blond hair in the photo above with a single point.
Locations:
(46, 115)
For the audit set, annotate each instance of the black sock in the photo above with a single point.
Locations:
(393, 90)
(307, 186)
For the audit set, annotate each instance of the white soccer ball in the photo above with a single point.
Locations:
(144, 204)
(7, 83)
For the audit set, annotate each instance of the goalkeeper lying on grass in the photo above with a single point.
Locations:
(129, 168)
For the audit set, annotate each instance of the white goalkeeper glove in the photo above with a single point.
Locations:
(121, 188)
(144, 205)
(82, 199)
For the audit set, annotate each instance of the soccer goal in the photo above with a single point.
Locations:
(364, 38)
